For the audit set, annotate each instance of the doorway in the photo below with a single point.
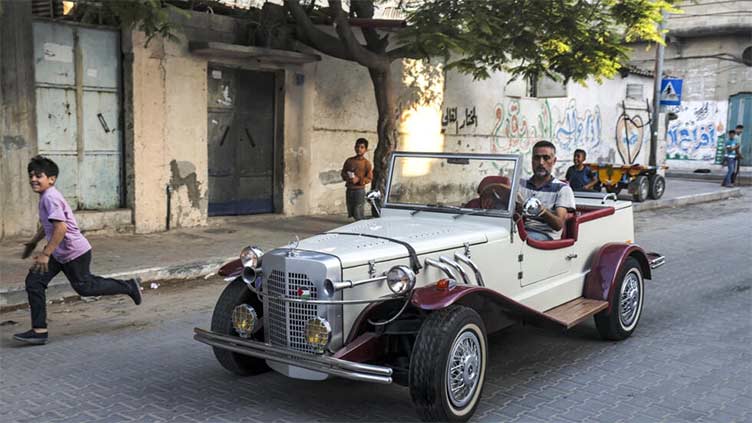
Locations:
(242, 127)
(740, 113)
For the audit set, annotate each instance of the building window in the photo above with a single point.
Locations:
(634, 91)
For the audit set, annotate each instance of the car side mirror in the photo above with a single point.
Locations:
(374, 197)
(532, 208)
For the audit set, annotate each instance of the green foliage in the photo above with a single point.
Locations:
(153, 17)
(573, 39)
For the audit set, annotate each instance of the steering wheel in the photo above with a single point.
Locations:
(495, 196)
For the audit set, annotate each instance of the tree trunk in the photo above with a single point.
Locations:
(387, 125)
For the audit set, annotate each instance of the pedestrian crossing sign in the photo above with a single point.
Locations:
(671, 91)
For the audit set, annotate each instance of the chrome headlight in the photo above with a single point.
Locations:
(244, 320)
(251, 256)
(401, 279)
(318, 333)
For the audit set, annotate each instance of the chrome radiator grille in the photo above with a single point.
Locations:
(287, 320)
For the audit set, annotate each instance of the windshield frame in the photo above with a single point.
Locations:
(516, 158)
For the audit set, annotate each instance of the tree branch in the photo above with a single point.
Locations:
(315, 37)
(364, 10)
(405, 52)
(359, 53)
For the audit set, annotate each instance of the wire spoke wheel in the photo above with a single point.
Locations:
(463, 369)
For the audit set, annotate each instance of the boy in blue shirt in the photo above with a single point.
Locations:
(732, 150)
(579, 176)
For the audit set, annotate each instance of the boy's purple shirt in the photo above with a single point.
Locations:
(52, 206)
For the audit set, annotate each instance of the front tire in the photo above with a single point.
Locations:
(626, 304)
(448, 365)
(234, 294)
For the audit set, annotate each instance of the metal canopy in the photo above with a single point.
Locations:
(236, 51)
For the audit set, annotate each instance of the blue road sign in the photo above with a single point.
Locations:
(671, 92)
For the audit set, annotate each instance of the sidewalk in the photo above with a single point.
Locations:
(198, 252)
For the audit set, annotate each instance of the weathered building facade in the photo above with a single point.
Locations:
(209, 126)
(709, 46)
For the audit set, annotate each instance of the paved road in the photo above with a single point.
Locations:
(689, 360)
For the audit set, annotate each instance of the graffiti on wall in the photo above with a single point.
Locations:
(578, 130)
(518, 128)
(513, 134)
(630, 133)
(694, 134)
(450, 118)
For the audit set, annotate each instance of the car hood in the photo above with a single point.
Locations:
(424, 234)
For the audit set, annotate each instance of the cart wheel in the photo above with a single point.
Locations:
(657, 186)
(641, 189)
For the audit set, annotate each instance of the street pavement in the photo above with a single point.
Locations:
(689, 359)
(197, 252)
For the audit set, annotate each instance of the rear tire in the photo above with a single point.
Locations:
(657, 186)
(641, 189)
(626, 303)
(448, 365)
(234, 294)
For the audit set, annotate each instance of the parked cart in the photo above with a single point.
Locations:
(641, 181)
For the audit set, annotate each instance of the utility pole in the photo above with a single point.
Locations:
(657, 93)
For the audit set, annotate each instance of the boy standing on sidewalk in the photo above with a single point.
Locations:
(67, 250)
(357, 172)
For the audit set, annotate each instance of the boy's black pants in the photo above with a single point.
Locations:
(82, 281)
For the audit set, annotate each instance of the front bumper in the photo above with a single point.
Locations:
(329, 365)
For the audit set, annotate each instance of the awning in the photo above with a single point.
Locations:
(237, 51)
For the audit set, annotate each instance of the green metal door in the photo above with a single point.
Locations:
(740, 113)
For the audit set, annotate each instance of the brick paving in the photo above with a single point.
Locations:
(689, 360)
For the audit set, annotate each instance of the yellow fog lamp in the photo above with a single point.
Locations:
(318, 333)
(244, 320)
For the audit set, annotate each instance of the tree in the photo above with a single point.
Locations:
(561, 39)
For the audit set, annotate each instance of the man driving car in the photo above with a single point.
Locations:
(556, 197)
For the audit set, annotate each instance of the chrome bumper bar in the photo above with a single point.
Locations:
(656, 260)
(324, 364)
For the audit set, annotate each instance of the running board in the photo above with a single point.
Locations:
(571, 313)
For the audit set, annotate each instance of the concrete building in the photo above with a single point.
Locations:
(709, 46)
(164, 135)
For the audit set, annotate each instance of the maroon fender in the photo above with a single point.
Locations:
(232, 269)
(367, 347)
(601, 280)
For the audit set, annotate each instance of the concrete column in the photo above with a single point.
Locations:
(18, 135)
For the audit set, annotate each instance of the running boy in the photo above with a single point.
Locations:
(67, 250)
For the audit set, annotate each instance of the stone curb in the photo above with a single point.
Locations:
(60, 289)
(687, 200)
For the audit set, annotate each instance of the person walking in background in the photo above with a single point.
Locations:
(732, 150)
(739, 157)
(67, 250)
(357, 172)
(579, 176)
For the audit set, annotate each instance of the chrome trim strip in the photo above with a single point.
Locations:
(465, 259)
(657, 262)
(457, 266)
(327, 302)
(340, 285)
(324, 364)
(441, 266)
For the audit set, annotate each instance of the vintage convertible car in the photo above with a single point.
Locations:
(410, 297)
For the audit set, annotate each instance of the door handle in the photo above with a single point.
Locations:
(571, 256)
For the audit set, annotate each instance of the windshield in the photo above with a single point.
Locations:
(453, 182)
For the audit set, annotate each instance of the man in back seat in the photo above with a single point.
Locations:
(556, 196)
